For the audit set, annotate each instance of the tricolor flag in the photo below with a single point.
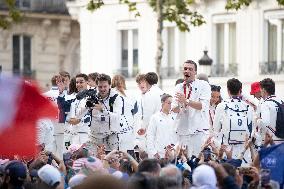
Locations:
(21, 105)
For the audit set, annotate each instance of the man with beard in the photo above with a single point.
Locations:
(106, 114)
(192, 105)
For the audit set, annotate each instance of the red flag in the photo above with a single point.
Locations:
(21, 105)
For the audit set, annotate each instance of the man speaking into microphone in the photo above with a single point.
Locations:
(192, 99)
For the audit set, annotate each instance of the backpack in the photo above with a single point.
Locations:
(279, 119)
(237, 123)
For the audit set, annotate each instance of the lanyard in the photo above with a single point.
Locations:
(184, 89)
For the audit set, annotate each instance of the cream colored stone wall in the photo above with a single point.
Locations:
(55, 46)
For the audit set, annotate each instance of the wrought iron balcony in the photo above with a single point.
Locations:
(25, 73)
(271, 68)
(39, 6)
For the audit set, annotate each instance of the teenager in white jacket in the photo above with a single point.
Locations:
(161, 130)
(79, 116)
(129, 109)
(268, 110)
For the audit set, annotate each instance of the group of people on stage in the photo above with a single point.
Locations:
(96, 110)
(194, 138)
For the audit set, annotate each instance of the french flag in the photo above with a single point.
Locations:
(21, 105)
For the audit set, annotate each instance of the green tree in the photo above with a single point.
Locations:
(238, 4)
(14, 15)
(177, 11)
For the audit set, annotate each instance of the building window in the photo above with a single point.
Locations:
(22, 55)
(129, 52)
(168, 61)
(25, 4)
(225, 45)
(274, 63)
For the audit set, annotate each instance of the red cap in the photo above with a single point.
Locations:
(254, 88)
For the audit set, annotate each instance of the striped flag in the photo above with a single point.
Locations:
(21, 105)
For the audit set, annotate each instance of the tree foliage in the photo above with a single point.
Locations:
(238, 4)
(14, 15)
(177, 11)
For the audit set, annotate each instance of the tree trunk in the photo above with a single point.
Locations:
(159, 53)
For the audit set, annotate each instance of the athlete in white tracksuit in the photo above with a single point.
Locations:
(105, 124)
(49, 131)
(233, 121)
(267, 117)
(126, 134)
(81, 129)
(161, 130)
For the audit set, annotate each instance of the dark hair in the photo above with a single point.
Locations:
(64, 74)
(164, 97)
(93, 76)
(151, 78)
(268, 85)
(83, 76)
(103, 77)
(178, 81)
(72, 86)
(142, 181)
(55, 79)
(140, 77)
(149, 165)
(234, 86)
(215, 88)
(191, 62)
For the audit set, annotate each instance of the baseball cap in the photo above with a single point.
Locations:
(118, 174)
(49, 175)
(255, 87)
(92, 163)
(17, 172)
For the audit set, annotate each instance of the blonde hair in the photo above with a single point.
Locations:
(118, 82)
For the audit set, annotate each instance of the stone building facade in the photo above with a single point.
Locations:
(45, 42)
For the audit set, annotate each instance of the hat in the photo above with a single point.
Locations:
(76, 180)
(17, 172)
(255, 87)
(92, 163)
(49, 175)
(118, 174)
(204, 175)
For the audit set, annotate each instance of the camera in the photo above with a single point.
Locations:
(91, 95)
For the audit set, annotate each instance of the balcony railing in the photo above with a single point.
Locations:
(124, 71)
(39, 6)
(271, 68)
(218, 70)
(25, 73)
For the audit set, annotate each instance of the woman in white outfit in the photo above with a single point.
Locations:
(214, 101)
(126, 135)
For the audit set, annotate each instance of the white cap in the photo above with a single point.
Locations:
(49, 175)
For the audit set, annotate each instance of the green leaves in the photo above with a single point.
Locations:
(14, 15)
(237, 4)
(131, 7)
(280, 2)
(94, 5)
(178, 11)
